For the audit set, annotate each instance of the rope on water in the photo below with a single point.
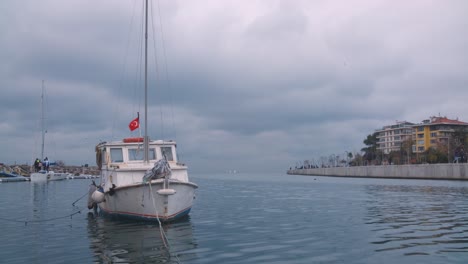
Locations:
(80, 198)
(49, 219)
(41, 220)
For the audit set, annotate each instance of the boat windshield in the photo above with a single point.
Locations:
(168, 152)
(138, 154)
(116, 155)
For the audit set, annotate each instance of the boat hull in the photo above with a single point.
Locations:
(38, 177)
(57, 176)
(49, 176)
(145, 202)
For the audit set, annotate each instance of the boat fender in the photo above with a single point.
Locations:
(91, 190)
(166, 191)
(98, 195)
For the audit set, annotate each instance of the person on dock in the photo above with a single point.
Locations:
(37, 164)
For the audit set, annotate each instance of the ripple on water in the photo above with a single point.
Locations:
(284, 220)
(403, 222)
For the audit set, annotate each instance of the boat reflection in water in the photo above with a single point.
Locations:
(123, 241)
(39, 200)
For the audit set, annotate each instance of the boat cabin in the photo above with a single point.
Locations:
(131, 151)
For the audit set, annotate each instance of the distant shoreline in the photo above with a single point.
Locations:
(444, 171)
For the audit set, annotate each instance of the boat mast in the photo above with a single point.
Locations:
(146, 139)
(42, 121)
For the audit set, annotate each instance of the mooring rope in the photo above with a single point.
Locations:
(163, 235)
(80, 198)
(49, 219)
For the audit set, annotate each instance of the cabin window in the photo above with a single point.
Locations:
(168, 152)
(139, 154)
(116, 155)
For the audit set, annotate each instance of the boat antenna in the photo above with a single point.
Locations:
(146, 84)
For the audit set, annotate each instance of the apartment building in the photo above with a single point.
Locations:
(391, 137)
(435, 131)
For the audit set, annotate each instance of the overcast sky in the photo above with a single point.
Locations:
(244, 85)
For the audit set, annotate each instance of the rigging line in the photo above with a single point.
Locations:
(171, 99)
(45, 125)
(52, 144)
(137, 75)
(158, 75)
(138, 79)
(35, 142)
(122, 75)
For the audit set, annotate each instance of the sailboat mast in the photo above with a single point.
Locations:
(42, 121)
(146, 139)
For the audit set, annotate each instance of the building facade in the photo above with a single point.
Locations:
(434, 132)
(390, 138)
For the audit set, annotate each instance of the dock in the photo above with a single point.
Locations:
(441, 171)
(14, 179)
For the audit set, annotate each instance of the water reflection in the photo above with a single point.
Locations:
(39, 200)
(418, 220)
(121, 241)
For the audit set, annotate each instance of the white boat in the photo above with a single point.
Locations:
(142, 178)
(43, 175)
(40, 176)
(54, 176)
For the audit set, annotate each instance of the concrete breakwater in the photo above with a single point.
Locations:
(447, 171)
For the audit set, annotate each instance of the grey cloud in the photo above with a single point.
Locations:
(252, 86)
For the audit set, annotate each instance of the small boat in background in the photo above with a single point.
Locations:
(10, 176)
(40, 176)
(44, 174)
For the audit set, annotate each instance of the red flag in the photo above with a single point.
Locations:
(134, 124)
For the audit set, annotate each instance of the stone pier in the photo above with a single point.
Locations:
(446, 171)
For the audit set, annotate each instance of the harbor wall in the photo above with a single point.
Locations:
(447, 171)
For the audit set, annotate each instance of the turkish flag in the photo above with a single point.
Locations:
(134, 124)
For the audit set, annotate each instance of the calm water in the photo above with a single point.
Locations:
(247, 218)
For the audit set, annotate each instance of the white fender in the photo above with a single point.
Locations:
(166, 191)
(98, 196)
